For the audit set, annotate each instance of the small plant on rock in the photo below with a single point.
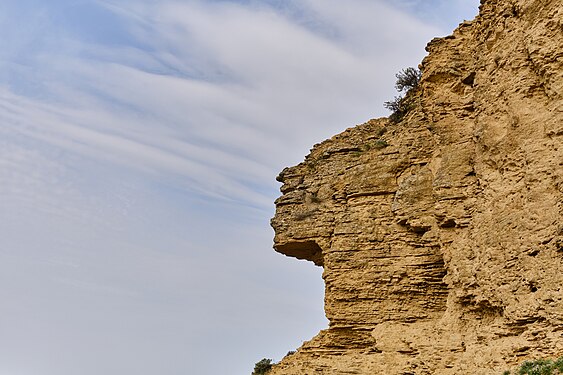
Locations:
(380, 143)
(262, 367)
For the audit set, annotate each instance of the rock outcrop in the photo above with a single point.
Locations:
(441, 236)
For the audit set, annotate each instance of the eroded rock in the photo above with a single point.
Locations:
(440, 236)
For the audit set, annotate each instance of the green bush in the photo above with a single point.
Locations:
(399, 107)
(262, 366)
(407, 80)
(380, 143)
(540, 367)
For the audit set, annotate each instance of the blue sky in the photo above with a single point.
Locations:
(139, 144)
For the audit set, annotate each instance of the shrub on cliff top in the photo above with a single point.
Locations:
(407, 80)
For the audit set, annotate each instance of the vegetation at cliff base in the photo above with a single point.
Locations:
(407, 80)
(540, 367)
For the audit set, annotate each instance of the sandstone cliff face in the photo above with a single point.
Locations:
(441, 237)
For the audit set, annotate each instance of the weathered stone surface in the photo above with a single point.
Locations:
(441, 237)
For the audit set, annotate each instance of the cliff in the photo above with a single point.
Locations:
(441, 236)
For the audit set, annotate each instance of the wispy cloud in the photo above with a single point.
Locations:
(137, 163)
(216, 78)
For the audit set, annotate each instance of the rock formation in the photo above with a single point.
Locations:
(441, 236)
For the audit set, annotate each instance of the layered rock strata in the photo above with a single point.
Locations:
(441, 236)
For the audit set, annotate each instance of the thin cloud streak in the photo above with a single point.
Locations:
(141, 153)
(138, 166)
(277, 65)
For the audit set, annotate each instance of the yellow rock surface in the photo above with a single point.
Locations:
(441, 236)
